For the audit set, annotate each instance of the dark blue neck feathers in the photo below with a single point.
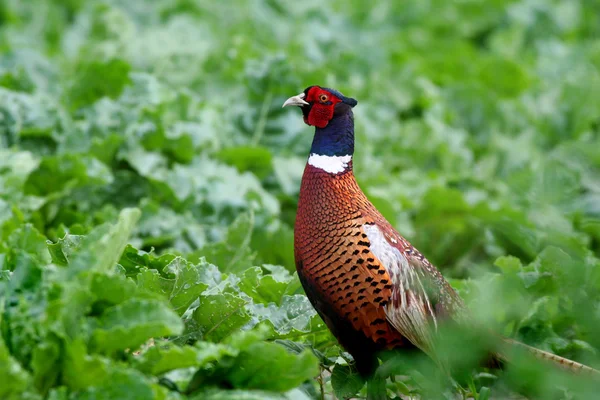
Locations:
(337, 138)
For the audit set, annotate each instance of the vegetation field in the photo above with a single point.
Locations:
(149, 180)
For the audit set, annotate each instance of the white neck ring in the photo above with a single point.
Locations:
(330, 164)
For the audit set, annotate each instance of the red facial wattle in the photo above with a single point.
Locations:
(323, 103)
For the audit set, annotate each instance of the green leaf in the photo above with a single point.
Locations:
(16, 381)
(484, 393)
(254, 159)
(59, 394)
(29, 120)
(121, 383)
(28, 240)
(508, 264)
(65, 172)
(503, 76)
(220, 315)
(213, 360)
(134, 260)
(27, 275)
(64, 248)
(102, 248)
(105, 149)
(346, 382)
(283, 253)
(212, 353)
(77, 359)
(164, 357)
(94, 80)
(258, 361)
(113, 289)
(181, 287)
(294, 315)
(288, 173)
(266, 288)
(221, 394)
(131, 323)
(45, 358)
(233, 253)
(162, 227)
(522, 237)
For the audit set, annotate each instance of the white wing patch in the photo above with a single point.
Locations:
(409, 310)
(331, 164)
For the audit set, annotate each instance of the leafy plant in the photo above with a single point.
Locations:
(149, 179)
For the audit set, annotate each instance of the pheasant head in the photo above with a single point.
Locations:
(330, 112)
(320, 105)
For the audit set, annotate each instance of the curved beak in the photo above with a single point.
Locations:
(295, 101)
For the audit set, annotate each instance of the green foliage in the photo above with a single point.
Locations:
(95, 80)
(88, 325)
(346, 382)
(149, 180)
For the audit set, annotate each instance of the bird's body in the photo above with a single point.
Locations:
(372, 288)
(336, 267)
(339, 240)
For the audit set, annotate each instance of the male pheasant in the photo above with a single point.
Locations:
(373, 289)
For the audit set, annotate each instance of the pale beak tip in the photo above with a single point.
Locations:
(295, 101)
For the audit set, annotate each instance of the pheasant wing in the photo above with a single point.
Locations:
(420, 296)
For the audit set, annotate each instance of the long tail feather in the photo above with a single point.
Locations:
(561, 362)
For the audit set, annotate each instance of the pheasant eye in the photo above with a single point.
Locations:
(323, 98)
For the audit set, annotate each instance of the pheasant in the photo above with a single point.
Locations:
(372, 288)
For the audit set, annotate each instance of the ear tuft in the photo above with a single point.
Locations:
(350, 101)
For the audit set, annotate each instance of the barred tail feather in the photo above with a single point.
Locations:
(561, 362)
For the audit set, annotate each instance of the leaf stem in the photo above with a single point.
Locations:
(320, 379)
(262, 119)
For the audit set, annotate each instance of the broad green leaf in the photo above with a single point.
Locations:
(27, 274)
(266, 288)
(221, 394)
(181, 285)
(65, 172)
(59, 394)
(102, 248)
(123, 384)
(233, 253)
(161, 227)
(295, 314)
(213, 361)
(259, 361)
(17, 381)
(105, 149)
(28, 240)
(508, 264)
(112, 289)
(282, 254)
(211, 355)
(220, 315)
(131, 323)
(346, 382)
(94, 80)
(97, 368)
(164, 357)
(64, 248)
(505, 77)
(288, 172)
(45, 359)
(133, 260)
(29, 120)
(515, 235)
(254, 159)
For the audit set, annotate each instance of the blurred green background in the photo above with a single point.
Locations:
(478, 137)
